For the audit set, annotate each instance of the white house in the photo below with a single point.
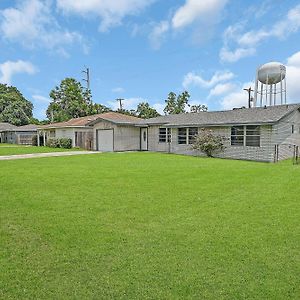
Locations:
(261, 134)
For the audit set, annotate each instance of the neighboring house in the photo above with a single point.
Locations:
(19, 134)
(250, 133)
(3, 128)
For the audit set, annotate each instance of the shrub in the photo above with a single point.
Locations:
(208, 142)
(59, 143)
(53, 143)
(65, 143)
(34, 140)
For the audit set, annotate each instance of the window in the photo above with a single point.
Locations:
(245, 136)
(237, 136)
(293, 128)
(193, 131)
(253, 136)
(164, 135)
(182, 136)
(52, 133)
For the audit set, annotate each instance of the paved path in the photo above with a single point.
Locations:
(50, 154)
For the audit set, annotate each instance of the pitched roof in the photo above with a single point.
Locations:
(6, 126)
(75, 122)
(90, 120)
(258, 115)
(29, 127)
(116, 118)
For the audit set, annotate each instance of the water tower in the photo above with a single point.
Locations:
(270, 85)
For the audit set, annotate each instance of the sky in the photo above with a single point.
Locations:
(141, 50)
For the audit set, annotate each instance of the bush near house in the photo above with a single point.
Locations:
(208, 142)
(60, 143)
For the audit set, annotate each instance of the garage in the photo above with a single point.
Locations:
(105, 140)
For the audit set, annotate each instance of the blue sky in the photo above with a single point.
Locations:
(140, 50)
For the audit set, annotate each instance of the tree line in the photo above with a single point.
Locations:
(71, 100)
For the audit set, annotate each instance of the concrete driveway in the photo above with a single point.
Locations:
(51, 154)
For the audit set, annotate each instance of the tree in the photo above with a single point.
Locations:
(208, 142)
(176, 104)
(97, 108)
(71, 100)
(198, 108)
(145, 111)
(14, 108)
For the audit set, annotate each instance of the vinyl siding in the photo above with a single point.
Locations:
(126, 138)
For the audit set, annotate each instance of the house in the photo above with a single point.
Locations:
(109, 131)
(251, 133)
(3, 128)
(18, 134)
(260, 134)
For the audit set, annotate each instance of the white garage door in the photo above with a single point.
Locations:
(106, 140)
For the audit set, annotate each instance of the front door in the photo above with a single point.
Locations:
(144, 139)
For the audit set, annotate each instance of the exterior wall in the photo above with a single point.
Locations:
(284, 137)
(262, 153)
(126, 138)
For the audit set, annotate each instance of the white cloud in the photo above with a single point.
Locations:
(237, 98)
(193, 10)
(41, 99)
(32, 24)
(294, 60)
(192, 79)
(128, 103)
(111, 12)
(246, 43)
(221, 89)
(118, 90)
(159, 108)
(293, 75)
(10, 68)
(235, 55)
(157, 34)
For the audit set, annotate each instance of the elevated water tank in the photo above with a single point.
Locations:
(271, 73)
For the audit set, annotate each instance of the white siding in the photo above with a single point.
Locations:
(126, 138)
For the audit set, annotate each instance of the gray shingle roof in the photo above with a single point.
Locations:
(7, 126)
(258, 115)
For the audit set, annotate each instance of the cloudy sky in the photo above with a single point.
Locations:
(140, 50)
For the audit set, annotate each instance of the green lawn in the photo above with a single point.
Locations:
(11, 149)
(149, 226)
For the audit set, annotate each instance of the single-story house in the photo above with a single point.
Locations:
(109, 131)
(261, 134)
(3, 128)
(18, 134)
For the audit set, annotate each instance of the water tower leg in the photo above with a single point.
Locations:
(261, 94)
(271, 92)
(281, 89)
(285, 90)
(275, 93)
(255, 90)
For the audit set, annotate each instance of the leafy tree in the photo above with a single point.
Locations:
(198, 108)
(123, 111)
(145, 111)
(176, 104)
(14, 108)
(208, 142)
(71, 100)
(96, 108)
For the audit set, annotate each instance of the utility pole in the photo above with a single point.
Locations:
(87, 79)
(250, 99)
(120, 100)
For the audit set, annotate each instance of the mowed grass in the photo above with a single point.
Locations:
(13, 149)
(149, 226)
